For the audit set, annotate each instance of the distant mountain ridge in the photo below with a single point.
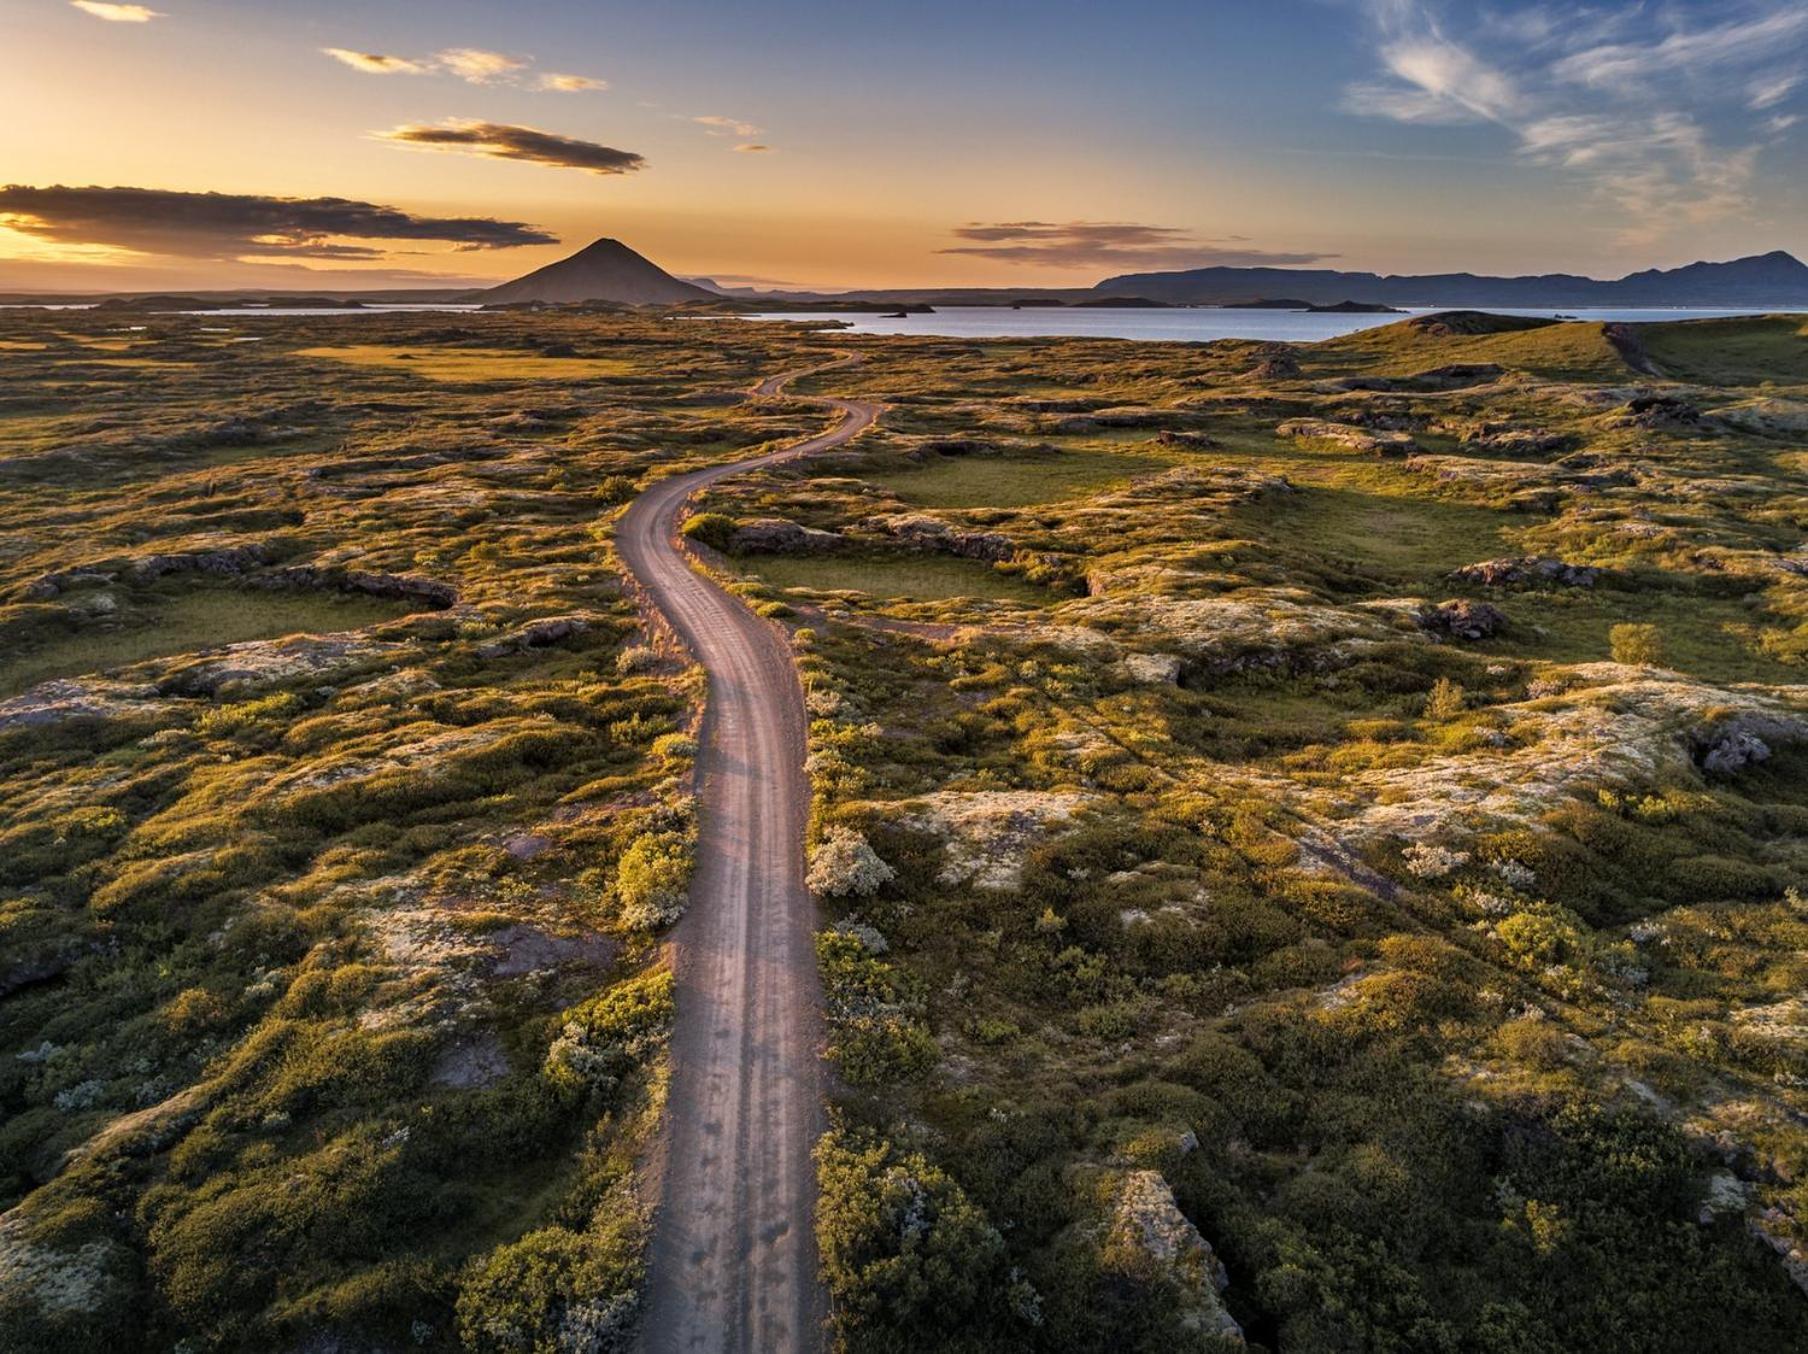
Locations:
(1774, 279)
(604, 271)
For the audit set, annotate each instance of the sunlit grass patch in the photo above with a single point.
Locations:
(1744, 351)
(1412, 540)
(1711, 638)
(468, 364)
(1568, 351)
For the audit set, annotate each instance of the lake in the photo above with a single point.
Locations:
(1189, 325)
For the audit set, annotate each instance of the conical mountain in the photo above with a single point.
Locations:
(605, 271)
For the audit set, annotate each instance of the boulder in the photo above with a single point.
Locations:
(1520, 570)
(1151, 669)
(1460, 618)
(1151, 1240)
(1727, 748)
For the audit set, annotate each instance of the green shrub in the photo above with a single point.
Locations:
(1637, 645)
(553, 1291)
(604, 1039)
(713, 529)
(875, 1012)
(651, 879)
(909, 1260)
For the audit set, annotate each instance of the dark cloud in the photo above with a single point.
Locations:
(506, 142)
(1101, 244)
(238, 225)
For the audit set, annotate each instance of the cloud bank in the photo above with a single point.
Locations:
(232, 226)
(1660, 115)
(1107, 244)
(505, 141)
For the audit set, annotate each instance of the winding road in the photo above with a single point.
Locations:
(733, 1256)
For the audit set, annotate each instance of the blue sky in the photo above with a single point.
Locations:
(986, 142)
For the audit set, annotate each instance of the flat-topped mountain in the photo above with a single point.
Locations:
(1776, 279)
(605, 271)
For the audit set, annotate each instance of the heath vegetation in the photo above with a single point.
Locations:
(1311, 841)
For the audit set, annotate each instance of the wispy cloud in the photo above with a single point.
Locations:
(119, 14)
(1651, 111)
(1102, 244)
(228, 226)
(375, 63)
(474, 65)
(716, 125)
(505, 141)
(570, 84)
(1757, 38)
(1770, 90)
(478, 66)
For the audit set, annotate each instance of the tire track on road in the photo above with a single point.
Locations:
(733, 1263)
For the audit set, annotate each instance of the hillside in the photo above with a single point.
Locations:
(605, 271)
(1777, 279)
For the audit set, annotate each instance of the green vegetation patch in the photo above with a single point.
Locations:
(914, 578)
(467, 365)
(1732, 352)
(1011, 481)
(182, 623)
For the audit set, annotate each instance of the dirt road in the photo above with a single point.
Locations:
(733, 1258)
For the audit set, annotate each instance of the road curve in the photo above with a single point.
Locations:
(733, 1256)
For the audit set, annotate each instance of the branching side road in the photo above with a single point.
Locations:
(733, 1258)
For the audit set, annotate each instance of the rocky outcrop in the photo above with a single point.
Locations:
(779, 536)
(1128, 416)
(1523, 570)
(1351, 438)
(534, 635)
(1190, 441)
(1455, 375)
(1460, 618)
(1151, 669)
(933, 534)
(259, 664)
(429, 592)
(78, 698)
(1519, 442)
(1150, 1240)
(228, 562)
(1658, 412)
(987, 834)
(1729, 746)
(244, 562)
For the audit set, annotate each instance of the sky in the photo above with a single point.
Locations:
(344, 143)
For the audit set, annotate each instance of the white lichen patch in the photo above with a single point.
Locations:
(987, 833)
